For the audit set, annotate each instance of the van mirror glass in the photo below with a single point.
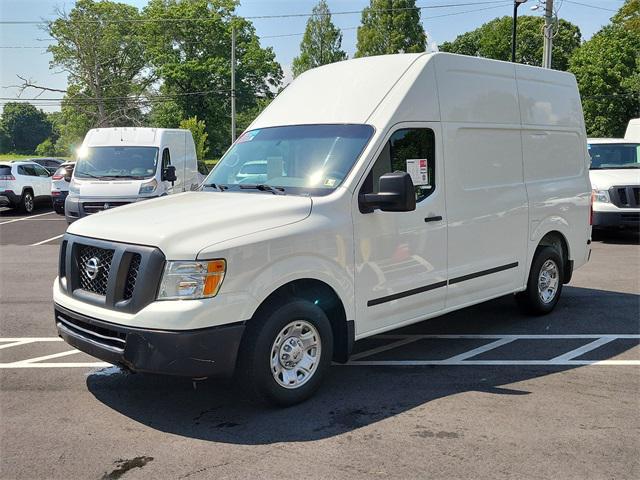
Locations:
(169, 174)
(396, 194)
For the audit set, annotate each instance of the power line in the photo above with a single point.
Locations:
(591, 6)
(256, 17)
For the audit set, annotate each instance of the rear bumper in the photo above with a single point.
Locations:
(616, 219)
(58, 199)
(206, 352)
(9, 198)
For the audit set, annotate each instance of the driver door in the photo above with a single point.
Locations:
(401, 257)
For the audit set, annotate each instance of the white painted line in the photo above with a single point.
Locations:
(518, 337)
(384, 348)
(481, 349)
(44, 357)
(31, 339)
(47, 240)
(10, 366)
(549, 363)
(583, 349)
(15, 344)
(26, 218)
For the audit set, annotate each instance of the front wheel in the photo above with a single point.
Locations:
(286, 352)
(545, 282)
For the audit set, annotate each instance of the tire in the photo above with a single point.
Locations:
(540, 301)
(27, 202)
(285, 327)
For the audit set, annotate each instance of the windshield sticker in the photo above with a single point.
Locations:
(417, 168)
(247, 136)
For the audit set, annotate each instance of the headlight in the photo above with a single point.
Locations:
(74, 188)
(601, 196)
(148, 187)
(191, 280)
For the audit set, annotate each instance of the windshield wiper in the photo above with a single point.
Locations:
(263, 188)
(89, 174)
(220, 187)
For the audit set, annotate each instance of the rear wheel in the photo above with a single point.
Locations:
(545, 282)
(27, 203)
(285, 353)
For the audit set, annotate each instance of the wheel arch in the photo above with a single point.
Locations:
(558, 240)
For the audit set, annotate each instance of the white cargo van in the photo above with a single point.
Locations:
(118, 166)
(394, 189)
(633, 130)
(615, 180)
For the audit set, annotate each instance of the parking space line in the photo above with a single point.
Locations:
(487, 363)
(11, 366)
(45, 357)
(481, 349)
(384, 348)
(25, 218)
(16, 343)
(584, 349)
(577, 336)
(47, 240)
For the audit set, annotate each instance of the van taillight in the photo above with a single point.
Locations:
(7, 177)
(57, 177)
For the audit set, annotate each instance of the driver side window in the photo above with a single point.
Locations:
(409, 150)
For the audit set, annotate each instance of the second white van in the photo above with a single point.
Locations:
(118, 166)
(381, 192)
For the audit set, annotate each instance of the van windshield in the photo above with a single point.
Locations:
(299, 159)
(614, 155)
(116, 162)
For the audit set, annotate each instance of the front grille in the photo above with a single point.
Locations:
(625, 197)
(107, 337)
(93, 266)
(132, 276)
(94, 207)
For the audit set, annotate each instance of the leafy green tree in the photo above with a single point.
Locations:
(628, 16)
(25, 126)
(493, 40)
(321, 43)
(198, 131)
(390, 26)
(191, 54)
(99, 44)
(607, 68)
(46, 149)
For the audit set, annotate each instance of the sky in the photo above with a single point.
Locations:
(441, 24)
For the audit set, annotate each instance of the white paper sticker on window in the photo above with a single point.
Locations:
(417, 169)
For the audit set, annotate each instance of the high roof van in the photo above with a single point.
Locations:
(371, 194)
(633, 130)
(118, 166)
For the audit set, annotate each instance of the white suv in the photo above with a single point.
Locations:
(22, 184)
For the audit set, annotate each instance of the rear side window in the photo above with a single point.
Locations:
(409, 150)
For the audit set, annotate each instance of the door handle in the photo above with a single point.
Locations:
(433, 219)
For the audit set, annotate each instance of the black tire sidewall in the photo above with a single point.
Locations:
(534, 302)
(264, 331)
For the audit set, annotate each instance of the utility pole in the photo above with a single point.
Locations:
(548, 34)
(514, 27)
(233, 84)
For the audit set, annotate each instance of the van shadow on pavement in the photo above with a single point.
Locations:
(355, 396)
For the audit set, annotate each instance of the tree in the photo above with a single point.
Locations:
(493, 40)
(46, 149)
(390, 26)
(628, 16)
(198, 131)
(191, 54)
(321, 43)
(25, 126)
(98, 44)
(607, 68)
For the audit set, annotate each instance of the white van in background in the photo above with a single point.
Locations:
(370, 194)
(633, 130)
(615, 180)
(118, 166)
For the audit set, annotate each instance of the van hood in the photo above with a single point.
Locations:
(109, 188)
(182, 225)
(606, 178)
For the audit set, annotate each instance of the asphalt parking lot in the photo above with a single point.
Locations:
(485, 392)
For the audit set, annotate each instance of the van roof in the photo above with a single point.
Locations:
(140, 136)
(610, 140)
(386, 89)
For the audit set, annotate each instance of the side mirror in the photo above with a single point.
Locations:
(169, 174)
(397, 194)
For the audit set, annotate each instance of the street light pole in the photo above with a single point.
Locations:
(548, 34)
(516, 4)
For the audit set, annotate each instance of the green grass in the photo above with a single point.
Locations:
(20, 156)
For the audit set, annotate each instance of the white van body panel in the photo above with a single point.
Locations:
(178, 142)
(511, 166)
(633, 130)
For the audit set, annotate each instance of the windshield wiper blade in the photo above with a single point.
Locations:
(88, 174)
(264, 188)
(219, 187)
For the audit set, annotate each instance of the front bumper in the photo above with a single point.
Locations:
(205, 352)
(616, 219)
